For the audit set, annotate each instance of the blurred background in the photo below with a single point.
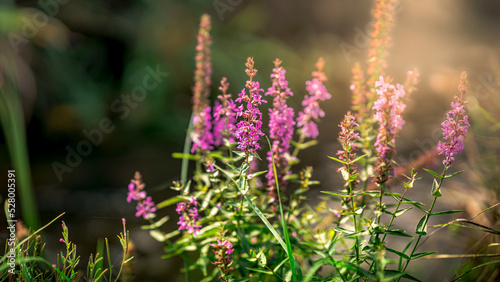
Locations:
(77, 62)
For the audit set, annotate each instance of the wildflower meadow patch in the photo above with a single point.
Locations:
(240, 223)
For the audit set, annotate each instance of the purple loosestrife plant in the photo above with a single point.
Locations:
(224, 116)
(353, 224)
(223, 251)
(201, 136)
(388, 112)
(249, 128)
(454, 129)
(455, 126)
(189, 216)
(145, 206)
(281, 127)
(306, 121)
(347, 139)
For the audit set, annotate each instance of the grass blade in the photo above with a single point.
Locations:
(283, 221)
(187, 145)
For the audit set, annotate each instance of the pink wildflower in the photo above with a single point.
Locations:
(190, 215)
(280, 127)
(388, 112)
(224, 116)
(249, 128)
(455, 127)
(145, 206)
(311, 113)
(201, 136)
(223, 251)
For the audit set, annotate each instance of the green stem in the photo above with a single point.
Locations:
(187, 145)
(245, 183)
(187, 276)
(394, 215)
(425, 222)
(291, 258)
(390, 222)
(11, 117)
(419, 237)
(382, 190)
(351, 192)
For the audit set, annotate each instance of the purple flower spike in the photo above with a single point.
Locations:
(202, 121)
(135, 194)
(223, 251)
(224, 116)
(249, 128)
(388, 112)
(455, 127)
(189, 211)
(145, 206)
(347, 139)
(281, 129)
(310, 115)
(201, 136)
(389, 109)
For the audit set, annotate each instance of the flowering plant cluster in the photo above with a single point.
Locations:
(189, 216)
(145, 206)
(232, 227)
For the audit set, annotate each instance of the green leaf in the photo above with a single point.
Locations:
(187, 156)
(353, 177)
(171, 234)
(337, 160)
(422, 225)
(240, 153)
(342, 230)
(453, 174)
(436, 191)
(170, 202)
(265, 271)
(261, 259)
(252, 175)
(391, 275)
(207, 198)
(156, 224)
(432, 172)
(479, 266)
(407, 186)
(302, 146)
(403, 255)
(358, 158)
(232, 167)
(345, 175)
(419, 255)
(397, 232)
(288, 276)
(401, 212)
(409, 277)
(336, 194)
(280, 264)
(447, 212)
(157, 235)
(316, 266)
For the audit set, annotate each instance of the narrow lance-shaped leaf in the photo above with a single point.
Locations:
(422, 225)
(436, 190)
